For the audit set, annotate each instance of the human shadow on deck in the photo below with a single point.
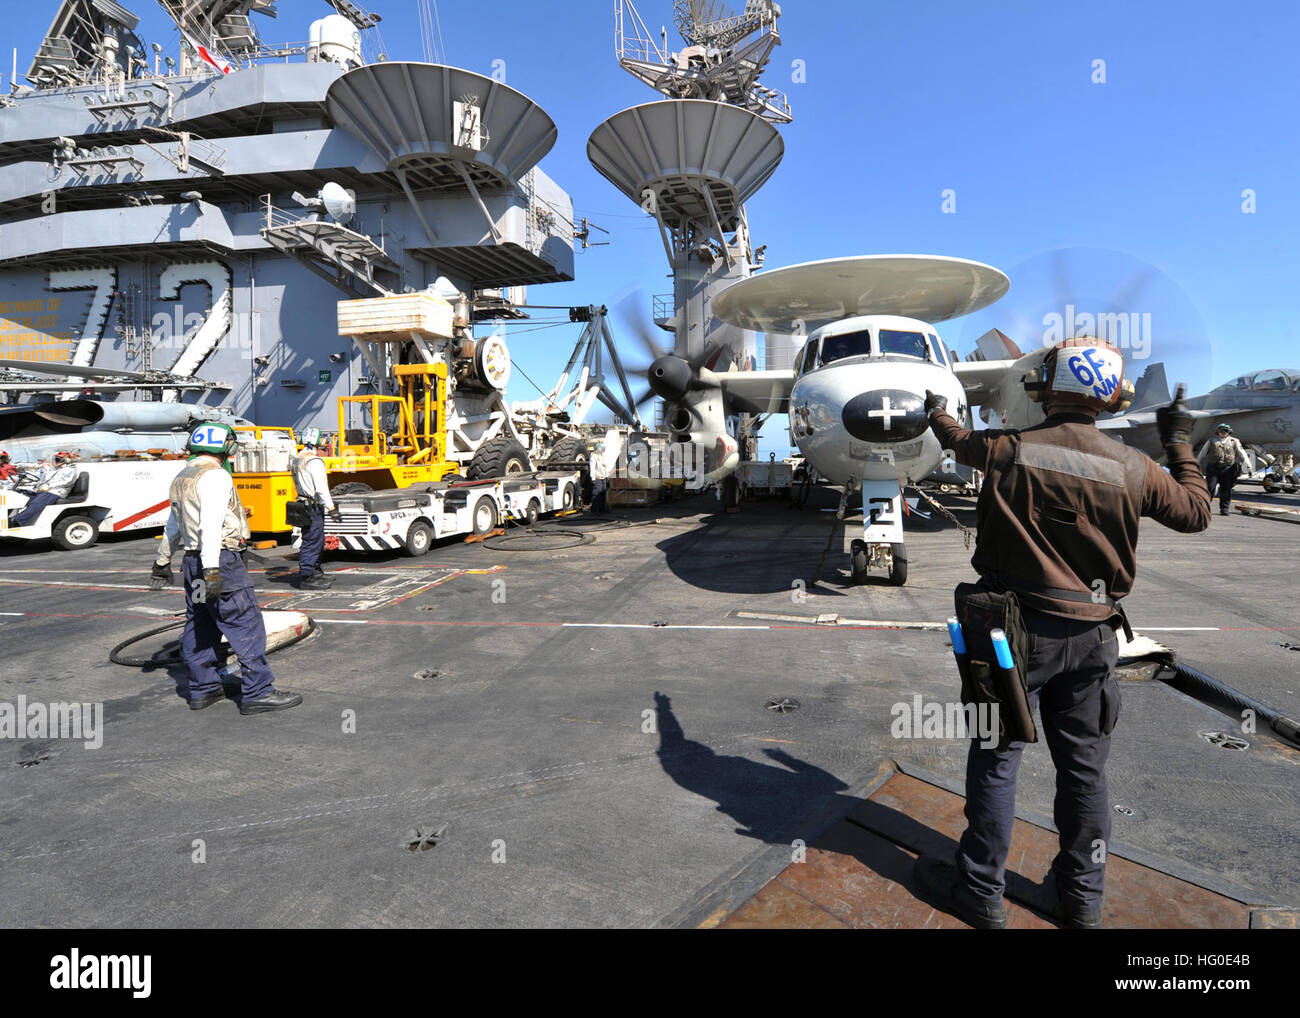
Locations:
(791, 799)
(770, 802)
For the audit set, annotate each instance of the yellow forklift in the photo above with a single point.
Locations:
(394, 441)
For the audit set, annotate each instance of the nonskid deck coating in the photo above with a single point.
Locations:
(572, 793)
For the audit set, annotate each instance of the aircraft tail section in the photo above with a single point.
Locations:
(996, 345)
(1152, 389)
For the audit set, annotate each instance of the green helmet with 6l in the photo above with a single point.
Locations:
(310, 436)
(212, 439)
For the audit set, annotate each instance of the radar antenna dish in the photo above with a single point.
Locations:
(340, 203)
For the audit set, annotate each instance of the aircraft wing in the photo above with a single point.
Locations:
(998, 387)
(757, 392)
(981, 379)
(1138, 428)
(70, 370)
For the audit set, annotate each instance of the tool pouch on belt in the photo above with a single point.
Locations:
(297, 514)
(980, 611)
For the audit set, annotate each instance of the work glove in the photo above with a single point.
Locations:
(335, 514)
(212, 585)
(933, 402)
(1175, 420)
(161, 576)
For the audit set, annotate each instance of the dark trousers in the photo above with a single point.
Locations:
(313, 542)
(1072, 681)
(1222, 479)
(37, 501)
(234, 613)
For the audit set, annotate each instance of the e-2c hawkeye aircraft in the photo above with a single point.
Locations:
(857, 392)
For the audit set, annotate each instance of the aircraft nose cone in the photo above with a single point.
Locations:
(670, 378)
(885, 415)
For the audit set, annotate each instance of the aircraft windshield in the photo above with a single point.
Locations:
(945, 355)
(906, 344)
(847, 344)
(1273, 380)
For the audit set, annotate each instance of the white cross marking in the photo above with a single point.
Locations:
(886, 413)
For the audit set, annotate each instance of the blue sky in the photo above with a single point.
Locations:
(1122, 196)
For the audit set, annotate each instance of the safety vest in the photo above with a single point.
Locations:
(184, 498)
(302, 480)
(1223, 453)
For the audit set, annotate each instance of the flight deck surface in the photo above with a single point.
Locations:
(586, 735)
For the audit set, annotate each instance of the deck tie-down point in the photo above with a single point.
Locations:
(421, 839)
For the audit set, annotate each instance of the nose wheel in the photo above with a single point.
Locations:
(881, 546)
(891, 558)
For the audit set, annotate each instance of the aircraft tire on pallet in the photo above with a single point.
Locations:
(499, 458)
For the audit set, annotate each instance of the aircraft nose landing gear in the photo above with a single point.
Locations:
(881, 545)
(890, 557)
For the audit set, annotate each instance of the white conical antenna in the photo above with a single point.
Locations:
(340, 203)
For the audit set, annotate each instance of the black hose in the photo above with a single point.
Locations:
(173, 655)
(1221, 696)
(501, 541)
(116, 657)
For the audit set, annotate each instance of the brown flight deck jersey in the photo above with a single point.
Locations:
(1060, 506)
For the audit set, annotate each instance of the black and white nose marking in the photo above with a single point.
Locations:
(885, 415)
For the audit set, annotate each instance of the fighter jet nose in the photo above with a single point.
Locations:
(885, 415)
(670, 378)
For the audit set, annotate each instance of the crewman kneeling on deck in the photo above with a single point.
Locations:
(1057, 525)
(208, 524)
(310, 479)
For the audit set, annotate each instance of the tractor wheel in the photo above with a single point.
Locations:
(485, 515)
(74, 532)
(499, 458)
(349, 488)
(418, 539)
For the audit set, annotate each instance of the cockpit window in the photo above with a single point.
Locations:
(945, 355)
(806, 357)
(1274, 380)
(1271, 381)
(906, 344)
(846, 344)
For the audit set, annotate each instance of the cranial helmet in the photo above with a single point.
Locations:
(310, 436)
(212, 439)
(1224, 427)
(1083, 372)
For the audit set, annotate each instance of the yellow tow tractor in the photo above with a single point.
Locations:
(262, 477)
(394, 441)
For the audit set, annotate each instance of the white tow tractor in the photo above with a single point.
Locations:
(411, 519)
(108, 497)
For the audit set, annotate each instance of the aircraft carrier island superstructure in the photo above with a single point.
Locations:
(199, 221)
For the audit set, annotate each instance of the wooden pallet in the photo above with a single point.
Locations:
(393, 319)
